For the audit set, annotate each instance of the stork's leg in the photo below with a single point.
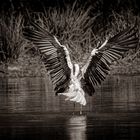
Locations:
(73, 108)
(81, 110)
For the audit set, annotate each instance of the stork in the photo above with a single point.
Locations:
(67, 78)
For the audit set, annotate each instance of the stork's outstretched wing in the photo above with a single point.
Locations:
(55, 56)
(98, 65)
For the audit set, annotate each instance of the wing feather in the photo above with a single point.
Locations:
(99, 62)
(54, 56)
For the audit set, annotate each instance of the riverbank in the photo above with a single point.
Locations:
(32, 67)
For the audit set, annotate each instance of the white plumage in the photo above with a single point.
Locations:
(75, 92)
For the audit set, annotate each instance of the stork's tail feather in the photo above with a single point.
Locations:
(76, 96)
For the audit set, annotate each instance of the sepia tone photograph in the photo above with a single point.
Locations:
(70, 69)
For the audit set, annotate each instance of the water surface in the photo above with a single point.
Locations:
(30, 109)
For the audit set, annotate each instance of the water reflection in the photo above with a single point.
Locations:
(30, 109)
(36, 95)
(76, 127)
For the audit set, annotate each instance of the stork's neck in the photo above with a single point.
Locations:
(77, 70)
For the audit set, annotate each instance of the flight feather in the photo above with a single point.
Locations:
(54, 56)
(98, 64)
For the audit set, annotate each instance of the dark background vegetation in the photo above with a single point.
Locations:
(98, 19)
(103, 5)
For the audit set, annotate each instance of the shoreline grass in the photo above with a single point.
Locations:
(74, 27)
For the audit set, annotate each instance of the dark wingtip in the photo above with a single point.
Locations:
(88, 89)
